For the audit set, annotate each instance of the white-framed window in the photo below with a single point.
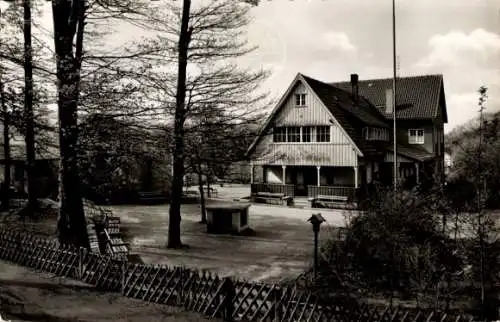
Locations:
(416, 136)
(300, 99)
(293, 134)
(323, 133)
(301, 134)
(307, 133)
(279, 134)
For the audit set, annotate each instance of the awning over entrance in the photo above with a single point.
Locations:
(408, 153)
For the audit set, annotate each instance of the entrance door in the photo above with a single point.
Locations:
(300, 182)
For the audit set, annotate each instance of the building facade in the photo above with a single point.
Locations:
(336, 138)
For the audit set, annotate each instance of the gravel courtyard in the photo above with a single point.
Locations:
(282, 247)
(49, 298)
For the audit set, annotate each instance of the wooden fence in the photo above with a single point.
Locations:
(349, 192)
(198, 291)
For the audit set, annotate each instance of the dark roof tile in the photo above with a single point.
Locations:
(336, 98)
(341, 105)
(417, 96)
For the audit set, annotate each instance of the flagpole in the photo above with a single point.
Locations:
(394, 93)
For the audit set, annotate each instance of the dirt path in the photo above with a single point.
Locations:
(49, 298)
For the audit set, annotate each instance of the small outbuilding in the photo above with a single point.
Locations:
(224, 218)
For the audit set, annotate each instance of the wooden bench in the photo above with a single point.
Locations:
(272, 198)
(213, 191)
(190, 197)
(151, 197)
(315, 201)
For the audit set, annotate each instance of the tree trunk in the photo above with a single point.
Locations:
(202, 198)
(147, 179)
(28, 109)
(6, 149)
(174, 225)
(444, 223)
(209, 195)
(71, 225)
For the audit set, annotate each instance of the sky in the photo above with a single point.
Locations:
(330, 39)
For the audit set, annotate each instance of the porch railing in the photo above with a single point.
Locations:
(287, 189)
(349, 192)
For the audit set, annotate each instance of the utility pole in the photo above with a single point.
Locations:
(394, 58)
(28, 107)
(480, 182)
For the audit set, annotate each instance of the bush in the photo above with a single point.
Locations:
(395, 246)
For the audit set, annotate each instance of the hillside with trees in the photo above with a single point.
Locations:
(462, 144)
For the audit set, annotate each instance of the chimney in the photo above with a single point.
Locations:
(354, 86)
(388, 101)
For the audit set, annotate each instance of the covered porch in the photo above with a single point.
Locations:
(412, 168)
(305, 181)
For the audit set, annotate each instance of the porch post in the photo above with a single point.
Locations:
(417, 172)
(318, 169)
(251, 172)
(355, 177)
(284, 173)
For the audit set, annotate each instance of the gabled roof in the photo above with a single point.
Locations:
(417, 97)
(339, 103)
(342, 105)
(335, 98)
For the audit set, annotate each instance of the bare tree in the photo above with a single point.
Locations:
(28, 108)
(212, 145)
(207, 39)
(6, 148)
(74, 70)
(472, 190)
(68, 39)
(11, 54)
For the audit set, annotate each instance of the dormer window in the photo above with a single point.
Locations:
(416, 136)
(300, 100)
(375, 134)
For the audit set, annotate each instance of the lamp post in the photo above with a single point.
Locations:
(316, 220)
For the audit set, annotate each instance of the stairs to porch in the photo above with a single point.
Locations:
(300, 202)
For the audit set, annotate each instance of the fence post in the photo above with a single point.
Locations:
(80, 263)
(181, 293)
(276, 304)
(229, 293)
(123, 277)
